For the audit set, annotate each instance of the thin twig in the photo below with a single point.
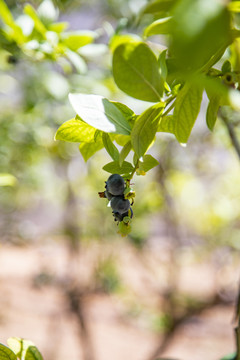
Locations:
(231, 132)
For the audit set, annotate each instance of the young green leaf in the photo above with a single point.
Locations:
(127, 112)
(234, 6)
(162, 64)
(76, 39)
(166, 124)
(89, 149)
(110, 147)
(160, 26)
(100, 113)
(32, 353)
(186, 110)
(7, 18)
(7, 180)
(212, 111)
(125, 151)
(135, 71)
(145, 128)
(114, 167)
(158, 6)
(148, 163)
(199, 29)
(39, 26)
(6, 353)
(24, 349)
(75, 130)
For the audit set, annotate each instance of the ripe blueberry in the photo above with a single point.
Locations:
(115, 184)
(119, 204)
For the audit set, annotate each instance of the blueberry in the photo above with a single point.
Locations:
(115, 184)
(120, 217)
(119, 204)
(108, 195)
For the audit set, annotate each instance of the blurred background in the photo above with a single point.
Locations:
(68, 281)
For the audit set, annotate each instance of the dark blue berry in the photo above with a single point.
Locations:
(119, 204)
(115, 184)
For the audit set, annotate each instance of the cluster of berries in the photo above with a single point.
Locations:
(115, 187)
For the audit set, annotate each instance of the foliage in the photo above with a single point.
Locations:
(200, 36)
(19, 349)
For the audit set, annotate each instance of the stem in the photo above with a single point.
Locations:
(232, 133)
(169, 109)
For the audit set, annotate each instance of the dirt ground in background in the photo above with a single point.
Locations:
(41, 314)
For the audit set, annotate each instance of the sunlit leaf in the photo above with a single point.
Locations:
(234, 6)
(186, 110)
(147, 163)
(199, 29)
(110, 147)
(114, 167)
(135, 71)
(145, 128)
(24, 349)
(7, 180)
(119, 39)
(6, 353)
(89, 149)
(212, 111)
(125, 151)
(100, 113)
(160, 26)
(76, 39)
(39, 26)
(75, 130)
(166, 124)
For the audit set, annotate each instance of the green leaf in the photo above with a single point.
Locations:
(234, 6)
(58, 27)
(6, 353)
(7, 180)
(110, 147)
(145, 128)
(123, 228)
(76, 39)
(7, 18)
(121, 139)
(125, 151)
(162, 64)
(127, 112)
(226, 67)
(24, 349)
(135, 71)
(33, 353)
(39, 26)
(166, 124)
(114, 167)
(100, 113)
(212, 111)
(160, 26)
(148, 163)
(119, 39)
(75, 130)
(199, 29)
(158, 6)
(89, 149)
(186, 110)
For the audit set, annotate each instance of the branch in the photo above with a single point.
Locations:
(231, 132)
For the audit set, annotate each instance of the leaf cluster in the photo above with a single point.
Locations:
(19, 349)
